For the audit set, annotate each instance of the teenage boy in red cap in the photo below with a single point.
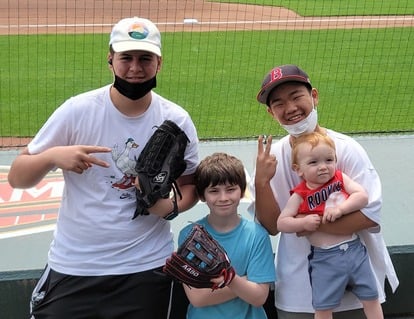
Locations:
(102, 263)
(291, 100)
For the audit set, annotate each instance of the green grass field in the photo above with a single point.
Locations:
(364, 76)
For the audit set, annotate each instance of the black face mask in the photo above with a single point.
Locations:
(134, 91)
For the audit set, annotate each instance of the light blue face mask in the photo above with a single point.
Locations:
(307, 125)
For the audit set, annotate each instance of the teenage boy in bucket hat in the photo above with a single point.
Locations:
(102, 263)
(291, 100)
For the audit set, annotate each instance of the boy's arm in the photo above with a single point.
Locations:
(202, 297)
(186, 184)
(348, 224)
(28, 169)
(251, 292)
(188, 199)
(267, 209)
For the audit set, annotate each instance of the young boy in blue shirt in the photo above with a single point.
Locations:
(221, 183)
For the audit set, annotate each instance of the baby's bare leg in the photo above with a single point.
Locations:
(372, 309)
(323, 314)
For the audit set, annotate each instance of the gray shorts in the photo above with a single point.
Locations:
(334, 270)
(354, 314)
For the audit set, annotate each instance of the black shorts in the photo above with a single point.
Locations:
(140, 295)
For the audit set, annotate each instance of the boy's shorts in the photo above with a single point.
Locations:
(354, 314)
(340, 268)
(140, 295)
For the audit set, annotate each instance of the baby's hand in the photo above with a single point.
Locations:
(311, 222)
(331, 214)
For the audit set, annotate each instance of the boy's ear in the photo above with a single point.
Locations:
(269, 111)
(242, 191)
(159, 64)
(315, 96)
(109, 60)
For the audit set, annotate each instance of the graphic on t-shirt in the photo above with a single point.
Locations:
(125, 161)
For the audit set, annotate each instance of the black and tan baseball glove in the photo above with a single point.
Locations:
(199, 259)
(158, 166)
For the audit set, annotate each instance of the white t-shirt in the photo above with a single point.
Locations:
(292, 288)
(95, 233)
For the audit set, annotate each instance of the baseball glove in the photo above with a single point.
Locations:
(158, 166)
(199, 259)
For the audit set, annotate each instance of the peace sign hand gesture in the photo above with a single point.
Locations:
(266, 163)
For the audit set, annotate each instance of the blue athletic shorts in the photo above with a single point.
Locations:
(334, 270)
